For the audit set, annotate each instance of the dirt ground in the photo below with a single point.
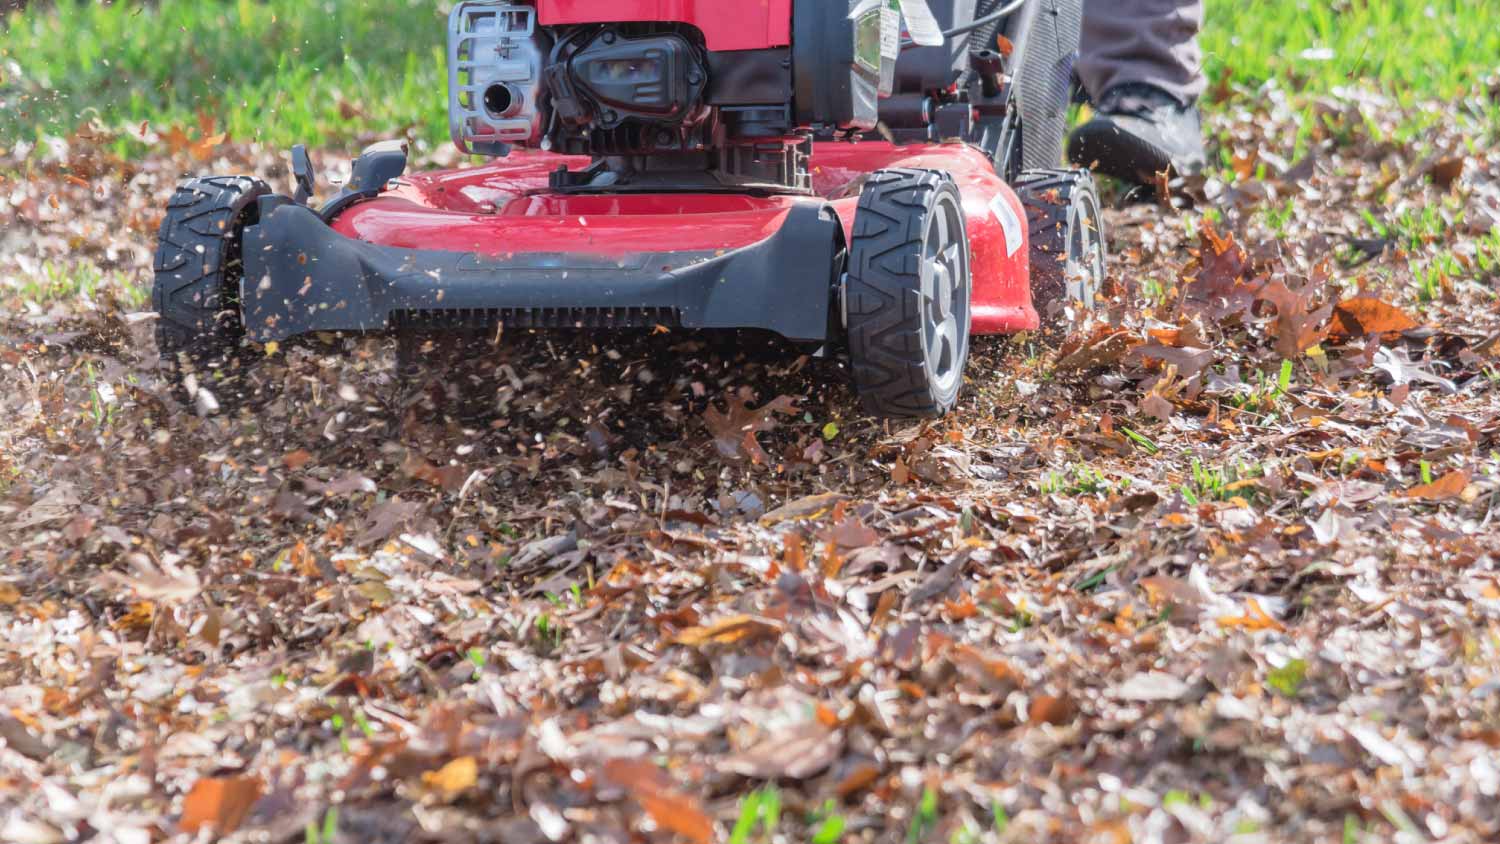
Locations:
(1153, 586)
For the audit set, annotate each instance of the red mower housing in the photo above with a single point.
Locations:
(795, 167)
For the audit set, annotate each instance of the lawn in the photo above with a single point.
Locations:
(287, 71)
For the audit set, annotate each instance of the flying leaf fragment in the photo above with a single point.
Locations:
(203, 148)
(1189, 361)
(1101, 349)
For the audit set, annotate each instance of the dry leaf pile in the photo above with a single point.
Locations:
(1223, 568)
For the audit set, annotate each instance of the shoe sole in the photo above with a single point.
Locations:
(1104, 148)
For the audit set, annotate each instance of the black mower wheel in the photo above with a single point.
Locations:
(1068, 251)
(907, 294)
(198, 265)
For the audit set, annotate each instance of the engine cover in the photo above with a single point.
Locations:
(653, 79)
(495, 58)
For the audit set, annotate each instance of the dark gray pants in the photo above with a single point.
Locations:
(1153, 41)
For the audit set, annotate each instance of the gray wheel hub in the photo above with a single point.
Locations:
(945, 303)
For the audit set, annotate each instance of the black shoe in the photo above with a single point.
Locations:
(1138, 132)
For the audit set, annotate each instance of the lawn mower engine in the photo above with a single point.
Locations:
(718, 99)
(874, 180)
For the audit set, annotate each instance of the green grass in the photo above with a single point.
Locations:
(79, 281)
(280, 71)
(1406, 49)
(283, 71)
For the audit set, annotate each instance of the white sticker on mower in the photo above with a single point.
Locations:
(923, 27)
(890, 31)
(1009, 222)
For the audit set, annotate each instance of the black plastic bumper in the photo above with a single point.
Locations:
(301, 277)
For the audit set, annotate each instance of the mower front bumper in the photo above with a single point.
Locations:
(301, 276)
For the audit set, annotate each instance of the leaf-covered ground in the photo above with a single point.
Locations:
(1222, 568)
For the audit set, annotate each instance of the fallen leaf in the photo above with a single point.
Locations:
(728, 631)
(734, 429)
(1297, 327)
(1254, 618)
(798, 752)
(1151, 686)
(296, 459)
(57, 505)
(454, 778)
(220, 802)
(1156, 406)
(1052, 709)
(808, 507)
(166, 582)
(1365, 315)
(672, 810)
(1447, 487)
(1446, 171)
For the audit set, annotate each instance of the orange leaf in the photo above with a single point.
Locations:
(961, 609)
(454, 778)
(1254, 618)
(860, 777)
(1049, 709)
(738, 628)
(296, 459)
(177, 140)
(1368, 315)
(793, 552)
(671, 809)
(1448, 486)
(203, 149)
(220, 802)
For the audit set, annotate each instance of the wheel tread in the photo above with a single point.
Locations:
(190, 265)
(1048, 195)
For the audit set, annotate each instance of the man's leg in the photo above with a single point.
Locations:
(1141, 65)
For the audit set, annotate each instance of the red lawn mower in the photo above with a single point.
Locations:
(870, 177)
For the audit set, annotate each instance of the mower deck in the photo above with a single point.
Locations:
(495, 244)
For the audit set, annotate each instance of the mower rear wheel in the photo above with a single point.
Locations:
(907, 294)
(198, 265)
(1068, 251)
